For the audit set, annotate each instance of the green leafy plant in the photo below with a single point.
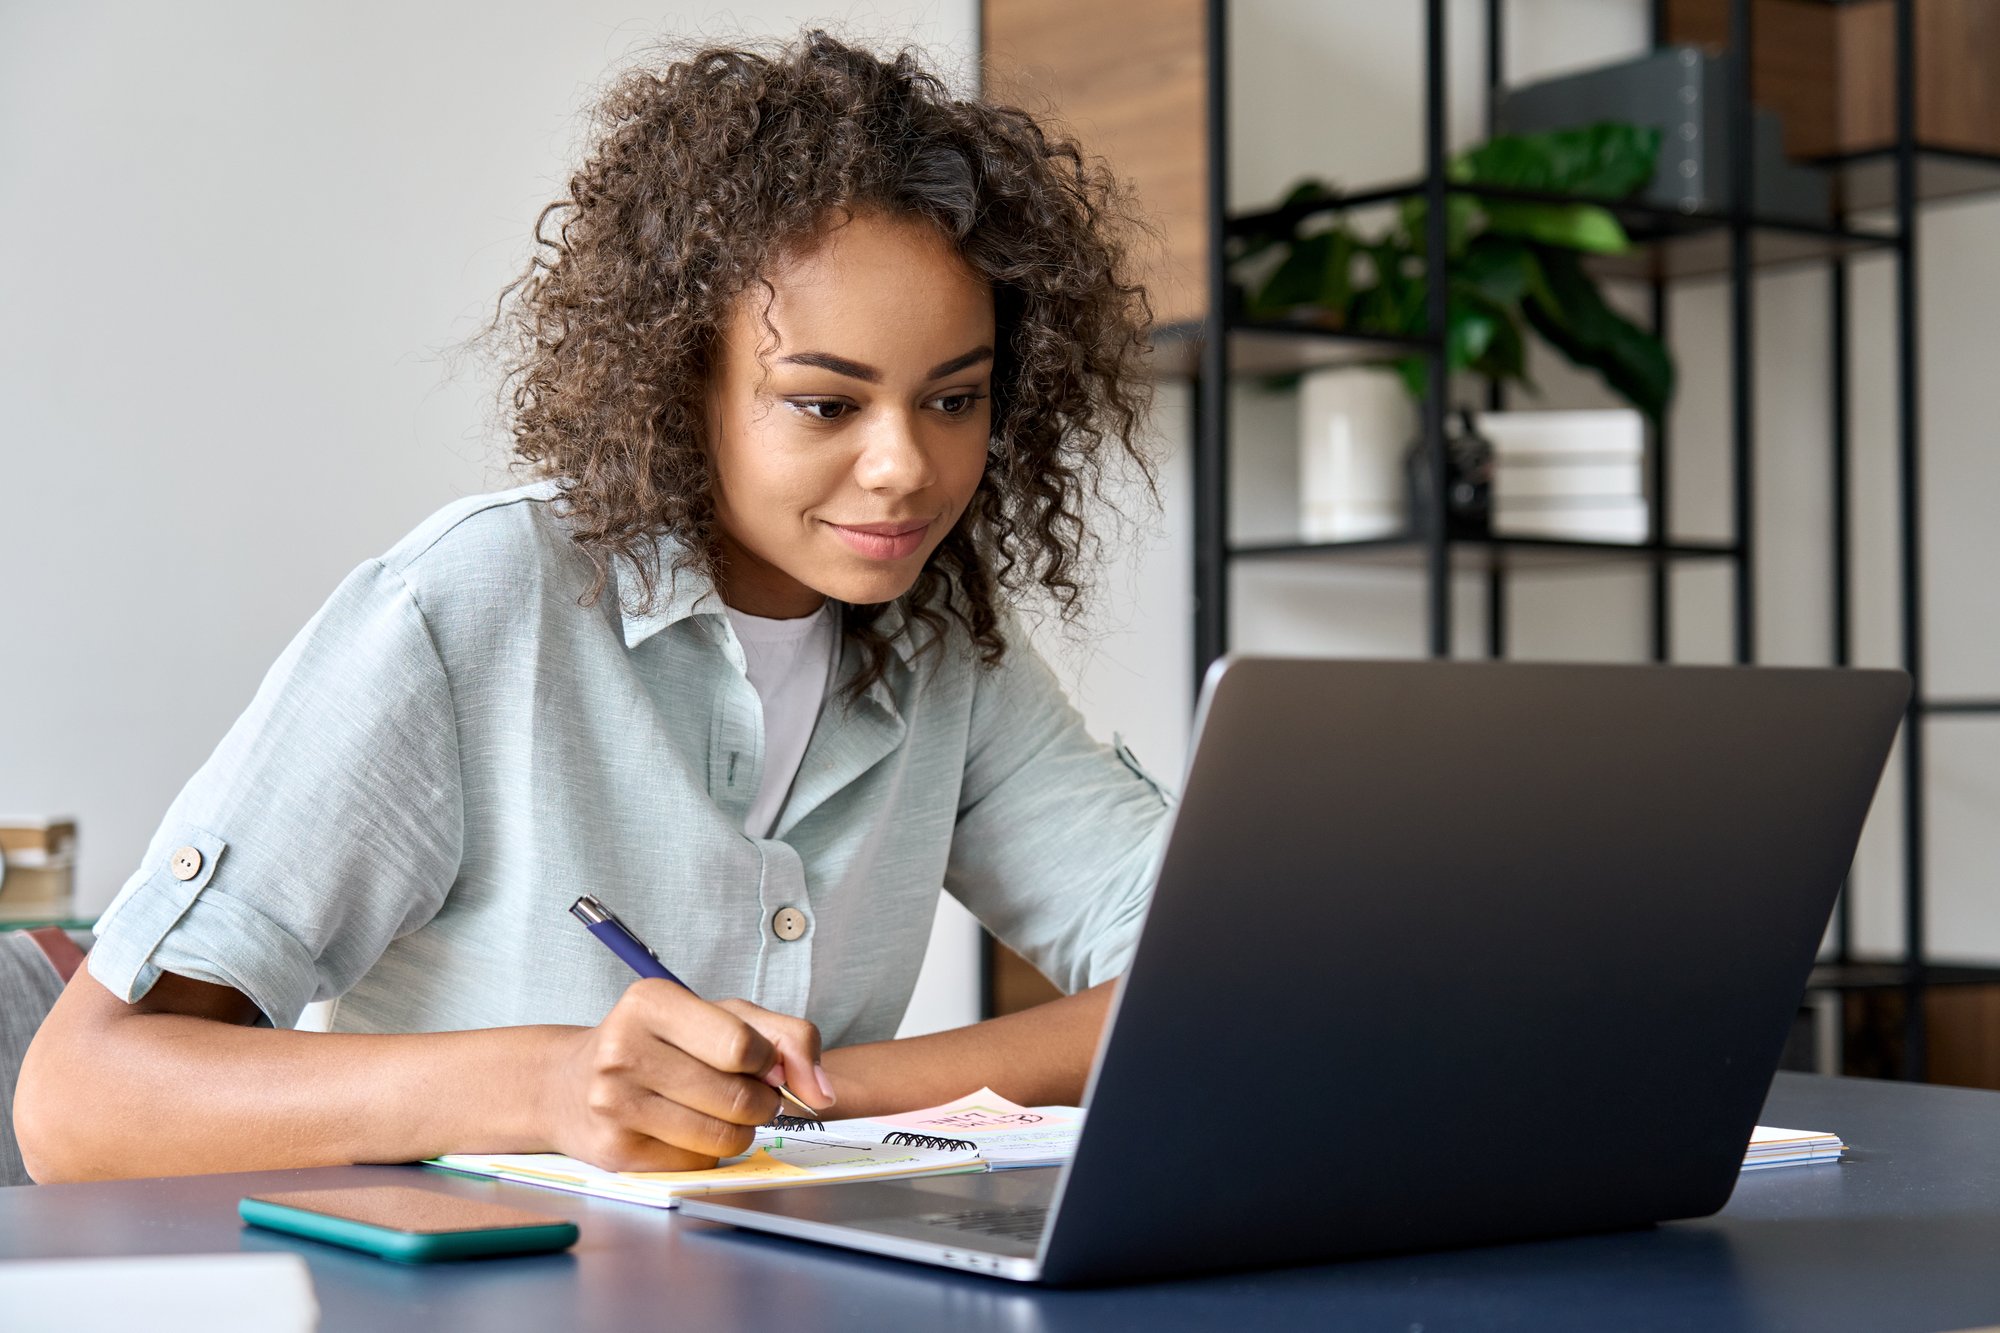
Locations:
(1513, 263)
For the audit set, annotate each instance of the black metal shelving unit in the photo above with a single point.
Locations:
(1671, 247)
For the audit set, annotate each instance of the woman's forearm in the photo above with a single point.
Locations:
(110, 1089)
(176, 1084)
(1038, 1057)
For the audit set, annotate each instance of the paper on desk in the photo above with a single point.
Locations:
(1770, 1146)
(1008, 1135)
(777, 1158)
(178, 1293)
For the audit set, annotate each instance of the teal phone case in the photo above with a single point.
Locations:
(408, 1247)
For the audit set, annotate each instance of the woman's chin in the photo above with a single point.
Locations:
(872, 592)
(868, 587)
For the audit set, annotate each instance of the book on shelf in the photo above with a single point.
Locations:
(1518, 479)
(1573, 519)
(1598, 436)
(1577, 476)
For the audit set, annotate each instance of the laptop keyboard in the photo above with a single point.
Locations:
(1025, 1223)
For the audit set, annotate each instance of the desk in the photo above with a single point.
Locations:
(1905, 1235)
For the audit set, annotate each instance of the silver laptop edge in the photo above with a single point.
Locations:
(968, 1254)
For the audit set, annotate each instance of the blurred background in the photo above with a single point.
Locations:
(245, 240)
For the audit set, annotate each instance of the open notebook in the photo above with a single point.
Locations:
(981, 1132)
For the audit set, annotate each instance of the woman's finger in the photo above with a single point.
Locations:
(711, 1033)
(646, 1132)
(667, 1071)
(797, 1048)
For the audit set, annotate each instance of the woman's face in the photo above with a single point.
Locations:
(848, 435)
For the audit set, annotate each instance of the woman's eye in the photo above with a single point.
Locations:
(957, 404)
(823, 409)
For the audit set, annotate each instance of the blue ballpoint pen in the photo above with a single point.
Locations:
(600, 921)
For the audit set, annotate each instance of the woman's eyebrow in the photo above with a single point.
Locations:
(855, 370)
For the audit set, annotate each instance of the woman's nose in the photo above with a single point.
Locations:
(892, 457)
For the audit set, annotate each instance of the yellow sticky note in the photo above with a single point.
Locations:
(561, 1176)
(759, 1165)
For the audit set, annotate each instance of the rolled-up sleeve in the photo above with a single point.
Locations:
(1058, 835)
(327, 823)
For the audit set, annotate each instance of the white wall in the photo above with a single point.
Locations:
(239, 236)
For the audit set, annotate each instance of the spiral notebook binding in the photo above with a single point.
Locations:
(796, 1123)
(904, 1139)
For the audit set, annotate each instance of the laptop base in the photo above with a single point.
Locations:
(985, 1223)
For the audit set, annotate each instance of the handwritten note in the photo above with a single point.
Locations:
(1007, 1134)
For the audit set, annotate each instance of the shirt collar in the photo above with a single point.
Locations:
(896, 627)
(684, 592)
(677, 594)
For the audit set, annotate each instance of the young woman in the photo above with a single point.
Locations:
(816, 365)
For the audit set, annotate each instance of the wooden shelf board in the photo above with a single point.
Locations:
(1266, 348)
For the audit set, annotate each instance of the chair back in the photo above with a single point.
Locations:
(34, 967)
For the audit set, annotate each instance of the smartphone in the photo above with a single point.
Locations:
(411, 1226)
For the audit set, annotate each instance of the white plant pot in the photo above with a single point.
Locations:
(1354, 424)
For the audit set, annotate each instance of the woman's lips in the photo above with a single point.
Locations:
(883, 541)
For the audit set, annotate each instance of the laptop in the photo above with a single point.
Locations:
(1440, 954)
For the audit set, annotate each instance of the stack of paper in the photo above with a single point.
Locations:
(1790, 1147)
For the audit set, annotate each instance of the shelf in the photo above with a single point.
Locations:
(1271, 348)
(1856, 976)
(1521, 553)
(1668, 244)
(1862, 183)
(1698, 247)
(1865, 182)
(1959, 707)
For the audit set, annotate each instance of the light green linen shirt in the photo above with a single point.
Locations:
(454, 748)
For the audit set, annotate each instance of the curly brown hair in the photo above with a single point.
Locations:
(705, 170)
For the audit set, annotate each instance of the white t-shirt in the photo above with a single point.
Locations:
(790, 663)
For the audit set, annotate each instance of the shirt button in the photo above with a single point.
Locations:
(789, 923)
(186, 863)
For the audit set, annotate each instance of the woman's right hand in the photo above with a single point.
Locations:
(670, 1082)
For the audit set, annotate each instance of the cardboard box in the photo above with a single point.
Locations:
(37, 837)
(37, 868)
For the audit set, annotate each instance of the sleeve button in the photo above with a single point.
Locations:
(186, 863)
(789, 923)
